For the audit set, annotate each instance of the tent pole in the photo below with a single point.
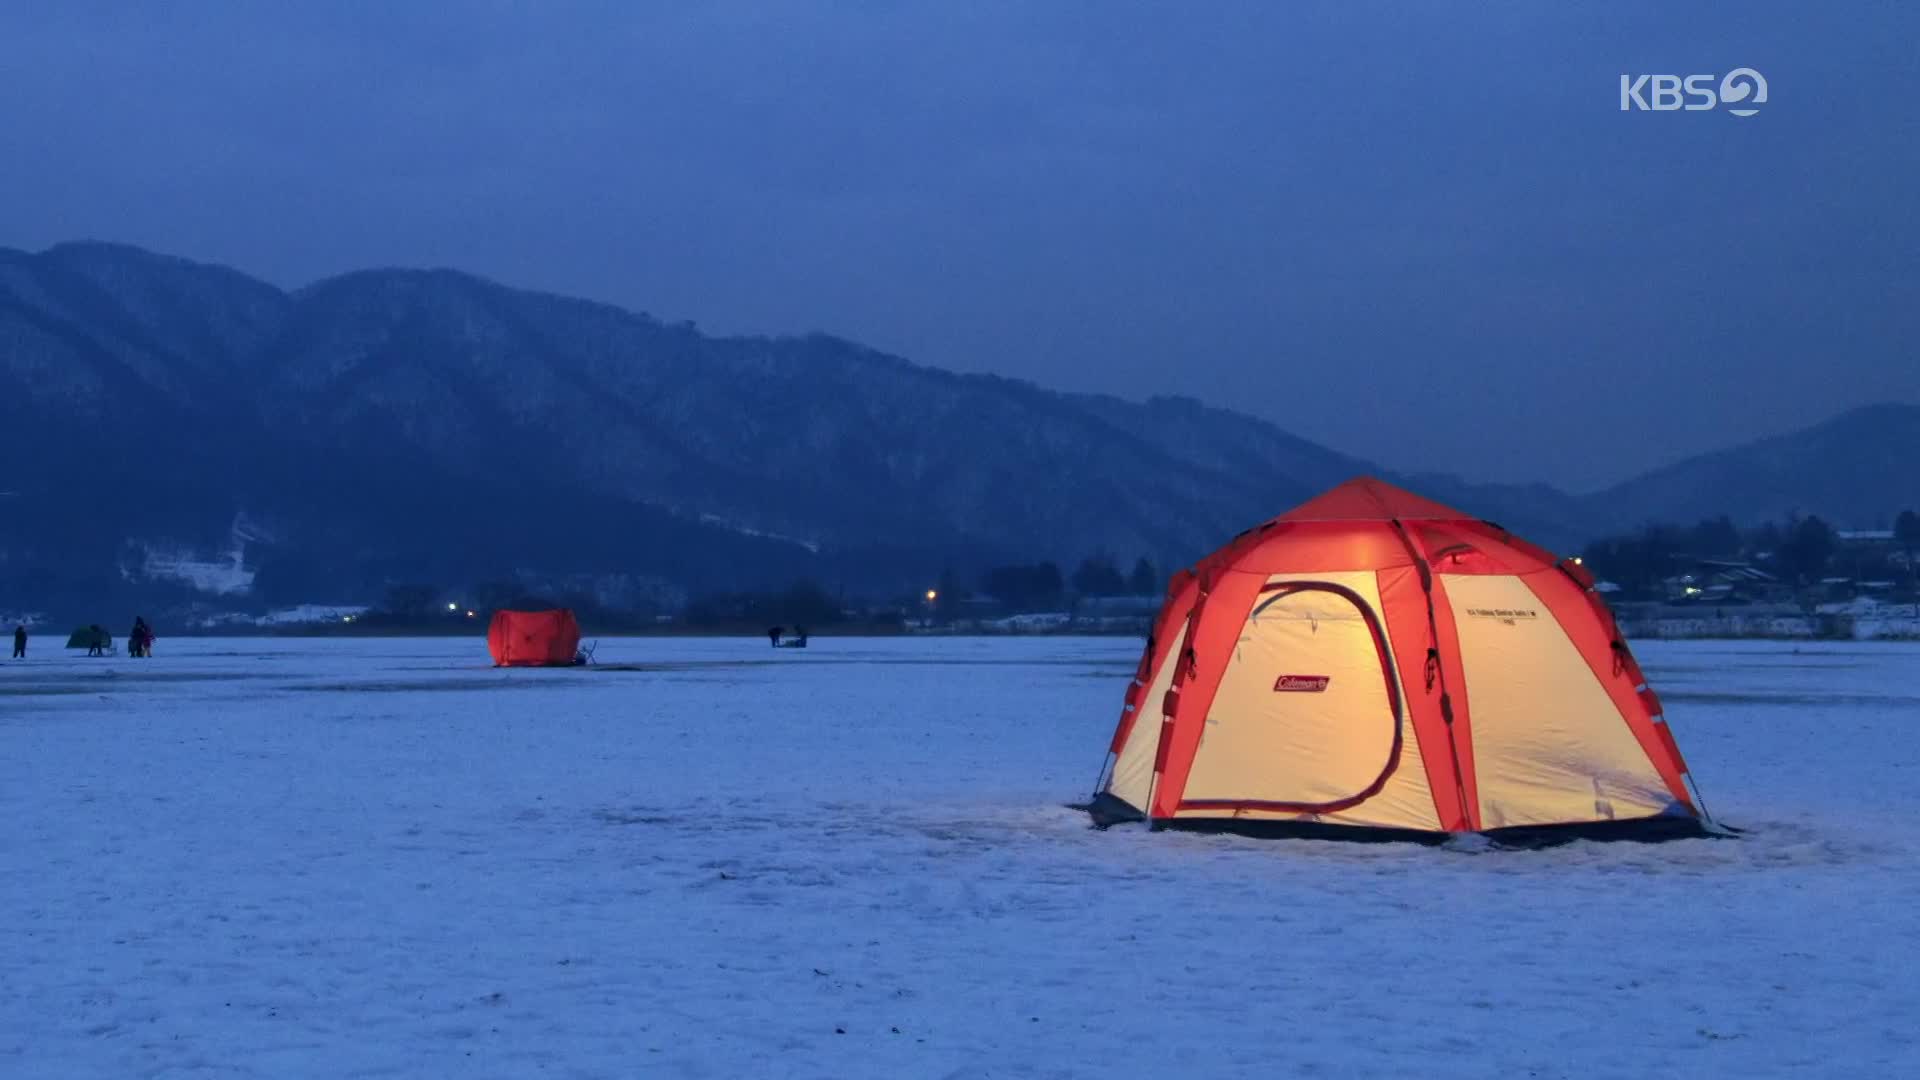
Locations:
(1106, 764)
(1699, 800)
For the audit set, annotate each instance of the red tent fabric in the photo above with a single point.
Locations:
(1374, 661)
(533, 638)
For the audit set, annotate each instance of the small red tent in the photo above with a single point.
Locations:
(533, 638)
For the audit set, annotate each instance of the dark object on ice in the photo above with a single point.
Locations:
(140, 639)
(773, 635)
(92, 638)
(534, 638)
(19, 643)
(797, 641)
(584, 654)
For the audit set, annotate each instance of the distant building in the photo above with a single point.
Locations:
(1720, 581)
(1870, 554)
(1836, 588)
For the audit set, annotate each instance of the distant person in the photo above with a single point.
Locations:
(96, 641)
(140, 640)
(800, 636)
(20, 643)
(773, 635)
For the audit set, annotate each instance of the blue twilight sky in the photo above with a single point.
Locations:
(1422, 233)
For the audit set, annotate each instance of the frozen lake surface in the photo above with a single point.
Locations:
(281, 858)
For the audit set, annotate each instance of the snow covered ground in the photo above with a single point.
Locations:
(277, 858)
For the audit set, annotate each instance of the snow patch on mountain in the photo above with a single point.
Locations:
(222, 574)
(812, 546)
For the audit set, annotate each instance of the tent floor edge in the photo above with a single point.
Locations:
(1107, 809)
(1648, 830)
(1271, 829)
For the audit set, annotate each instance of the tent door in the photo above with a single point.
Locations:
(1308, 717)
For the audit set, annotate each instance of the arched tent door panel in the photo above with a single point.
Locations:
(1308, 717)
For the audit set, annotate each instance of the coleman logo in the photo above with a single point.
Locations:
(1303, 684)
(1510, 616)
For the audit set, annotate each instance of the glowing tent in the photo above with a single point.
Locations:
(533, 638)
(1375, 665)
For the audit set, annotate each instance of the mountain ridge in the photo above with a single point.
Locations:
(1851, 453)
(387, 424)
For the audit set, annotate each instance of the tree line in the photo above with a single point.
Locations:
(1798, 551)
(1015, 587)
(1041, 584)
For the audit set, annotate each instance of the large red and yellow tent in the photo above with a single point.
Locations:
(1372, 663)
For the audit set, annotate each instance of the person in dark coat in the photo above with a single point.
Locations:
(96, 636)
(773, 635)
(20, 643)
(140, 641)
